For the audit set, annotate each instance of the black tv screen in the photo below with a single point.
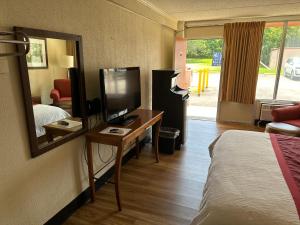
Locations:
(120, 91)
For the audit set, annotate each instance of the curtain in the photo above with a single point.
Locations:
(71, 50)
(242, 47)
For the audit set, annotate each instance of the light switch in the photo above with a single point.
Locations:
(4, 66)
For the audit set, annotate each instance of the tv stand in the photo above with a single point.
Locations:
(124, 120)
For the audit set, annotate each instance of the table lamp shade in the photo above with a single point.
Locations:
(67, 61)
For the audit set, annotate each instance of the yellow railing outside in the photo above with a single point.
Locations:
(203, 77)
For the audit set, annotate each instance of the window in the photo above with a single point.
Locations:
(281, 48)
(289, 83)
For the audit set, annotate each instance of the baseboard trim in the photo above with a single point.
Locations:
(82, 198)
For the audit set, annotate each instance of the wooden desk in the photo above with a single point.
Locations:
(53, 129)
(146, 118)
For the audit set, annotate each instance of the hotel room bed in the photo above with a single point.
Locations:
(246, 184)
(46, 114)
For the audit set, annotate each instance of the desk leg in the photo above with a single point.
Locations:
(137, 148)
(49, 136)
(156, 128)
(91, 169)
(118, 175)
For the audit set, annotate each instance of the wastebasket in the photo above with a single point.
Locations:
(167, 137)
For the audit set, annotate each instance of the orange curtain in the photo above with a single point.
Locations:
(71, 50)
(242, 45)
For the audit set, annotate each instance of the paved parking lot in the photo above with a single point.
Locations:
(204, 106)
(288, 89)
(209, 97)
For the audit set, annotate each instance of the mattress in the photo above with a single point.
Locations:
(46, 114)
(245, 184)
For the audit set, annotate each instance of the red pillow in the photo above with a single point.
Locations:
(286, 113)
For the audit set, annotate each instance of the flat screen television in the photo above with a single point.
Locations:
(120, 93)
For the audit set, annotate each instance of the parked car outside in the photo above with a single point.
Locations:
(292, 68)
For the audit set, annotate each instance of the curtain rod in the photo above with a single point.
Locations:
(25, 42)
(221, 22)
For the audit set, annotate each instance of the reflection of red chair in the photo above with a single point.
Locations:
(61, 94)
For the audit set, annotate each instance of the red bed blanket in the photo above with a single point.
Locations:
(287, 151)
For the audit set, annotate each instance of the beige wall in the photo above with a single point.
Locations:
(33, 190)
(41, 80)
(148, 11)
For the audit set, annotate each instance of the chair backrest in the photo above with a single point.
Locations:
(63, 86)
(286, 113)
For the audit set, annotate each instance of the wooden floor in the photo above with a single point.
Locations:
(167, 193)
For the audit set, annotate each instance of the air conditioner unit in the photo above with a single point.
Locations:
(264, 108)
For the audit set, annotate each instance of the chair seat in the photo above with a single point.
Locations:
(65, 99)
(283, 128)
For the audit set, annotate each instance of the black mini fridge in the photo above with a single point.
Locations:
(168, 97)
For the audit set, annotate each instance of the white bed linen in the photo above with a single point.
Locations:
(245, 185)
(45, 114)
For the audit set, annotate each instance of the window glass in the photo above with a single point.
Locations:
(289, 83)
(269, 60)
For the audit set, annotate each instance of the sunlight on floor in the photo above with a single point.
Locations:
(202, 112)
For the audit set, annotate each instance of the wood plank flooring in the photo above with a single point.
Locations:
(167, 193)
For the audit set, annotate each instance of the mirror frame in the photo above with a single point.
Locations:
(23, 69)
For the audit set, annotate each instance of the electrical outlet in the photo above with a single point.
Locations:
(4, 66)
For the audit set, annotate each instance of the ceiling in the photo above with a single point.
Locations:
(191, 10)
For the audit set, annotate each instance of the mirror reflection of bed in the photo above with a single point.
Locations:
(51, 88)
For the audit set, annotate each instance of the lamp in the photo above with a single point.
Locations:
(67, 61)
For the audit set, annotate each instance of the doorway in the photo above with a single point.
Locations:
(203, 64)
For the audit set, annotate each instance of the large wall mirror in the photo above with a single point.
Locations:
(53, 88)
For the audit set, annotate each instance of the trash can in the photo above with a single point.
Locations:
(167, 137)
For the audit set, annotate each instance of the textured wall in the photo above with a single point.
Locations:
(33, 190)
